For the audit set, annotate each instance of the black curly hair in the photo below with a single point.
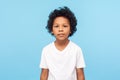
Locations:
(64, 12)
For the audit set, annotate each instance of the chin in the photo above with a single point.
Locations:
(61, 39)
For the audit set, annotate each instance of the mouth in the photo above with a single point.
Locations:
(61, 35)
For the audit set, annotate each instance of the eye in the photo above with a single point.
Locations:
(65, 26)
(55, 26)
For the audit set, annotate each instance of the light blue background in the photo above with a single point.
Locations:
(23, 35)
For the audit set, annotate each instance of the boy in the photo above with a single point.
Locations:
(62, 59)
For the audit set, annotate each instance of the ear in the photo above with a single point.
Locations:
(52, 33)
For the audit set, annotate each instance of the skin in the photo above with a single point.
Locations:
(80, 74)
(44, 74)
(61, 31)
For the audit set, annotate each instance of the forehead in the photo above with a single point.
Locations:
(61, 19)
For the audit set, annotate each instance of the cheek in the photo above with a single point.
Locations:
(54, 32)
(69, 31)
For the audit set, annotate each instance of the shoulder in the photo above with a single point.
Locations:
(46, 49)
(75, 46)
(48, 46)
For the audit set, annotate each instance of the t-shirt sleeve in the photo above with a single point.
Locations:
(80, 63)
(43, 62)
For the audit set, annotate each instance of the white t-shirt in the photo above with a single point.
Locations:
(62, 64)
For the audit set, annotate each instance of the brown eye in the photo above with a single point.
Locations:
(56, 26)
(65, 26)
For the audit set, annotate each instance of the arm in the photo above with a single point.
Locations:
(80, 74)
(44, 74)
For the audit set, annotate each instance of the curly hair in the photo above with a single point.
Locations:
(64, 12)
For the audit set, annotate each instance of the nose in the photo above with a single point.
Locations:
(60, 29)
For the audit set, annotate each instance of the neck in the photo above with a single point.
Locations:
(62, 43)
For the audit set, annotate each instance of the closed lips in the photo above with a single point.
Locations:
(60, 34)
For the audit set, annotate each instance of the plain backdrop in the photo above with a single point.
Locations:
(23, 35)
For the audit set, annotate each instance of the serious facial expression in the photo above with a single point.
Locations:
(61, 28)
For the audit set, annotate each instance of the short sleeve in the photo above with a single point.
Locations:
(43, 62)
(80, 63)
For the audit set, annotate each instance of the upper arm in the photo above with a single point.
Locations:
(80, 63)
(80, 74)
(44, 74)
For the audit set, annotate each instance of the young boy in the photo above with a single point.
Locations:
(62, 59)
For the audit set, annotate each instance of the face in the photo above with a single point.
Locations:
(61, 28)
